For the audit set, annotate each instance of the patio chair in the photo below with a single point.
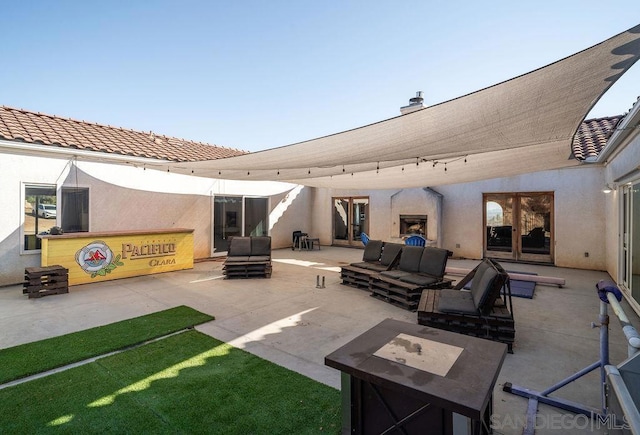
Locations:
(296, 239)
(481, 311)
(248, 257)
(415, 240)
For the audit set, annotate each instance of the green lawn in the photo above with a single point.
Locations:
(31, 358)
(187, 383)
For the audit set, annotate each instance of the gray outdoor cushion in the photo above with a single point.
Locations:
(483, 287)
(395, 274)
(372, 251)
(433, 261)
(456, 301)
(237, 259)
(410, 258)
(239, 246)
(261, 245)
(390, 253)
(421, 280)
(374, 267)
(264, 258)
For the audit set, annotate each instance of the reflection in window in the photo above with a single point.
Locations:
(75, 210)
(40, 213)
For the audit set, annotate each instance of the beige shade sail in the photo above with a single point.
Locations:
(525, 124)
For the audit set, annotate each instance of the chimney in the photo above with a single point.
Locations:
(415, 103)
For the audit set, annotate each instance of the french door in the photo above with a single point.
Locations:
(519, 226)
(350, 220)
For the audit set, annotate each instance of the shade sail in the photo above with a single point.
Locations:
(525, 124)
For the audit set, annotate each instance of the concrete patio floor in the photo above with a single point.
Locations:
(289, 321)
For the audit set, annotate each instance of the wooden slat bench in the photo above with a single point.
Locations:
(44, 281)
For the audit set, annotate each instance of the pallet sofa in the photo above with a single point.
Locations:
(377, 257)
(398, 273)
(485, 310)
(248, 257)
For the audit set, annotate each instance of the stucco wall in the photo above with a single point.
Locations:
(385, 206)
(579, 207)
(16, 170)
(579, 211)
(161, 201)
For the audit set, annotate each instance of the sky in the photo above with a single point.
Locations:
(255, 75)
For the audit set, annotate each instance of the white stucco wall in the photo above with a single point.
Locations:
(129, 198)
(579, 211)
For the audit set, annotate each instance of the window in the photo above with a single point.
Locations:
(75, 210)
(40, 213)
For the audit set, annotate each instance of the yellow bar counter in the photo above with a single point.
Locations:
(104, 256)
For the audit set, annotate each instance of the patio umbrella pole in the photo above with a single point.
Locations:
(608, 293)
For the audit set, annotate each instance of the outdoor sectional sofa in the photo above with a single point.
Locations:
(248, 257)
(485, 310)
(398, 273)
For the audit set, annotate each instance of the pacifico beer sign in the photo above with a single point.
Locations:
(123, 255)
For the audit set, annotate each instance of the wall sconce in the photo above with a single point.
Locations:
(607, 188)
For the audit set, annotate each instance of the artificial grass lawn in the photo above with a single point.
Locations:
(187, 383)
(31, 358)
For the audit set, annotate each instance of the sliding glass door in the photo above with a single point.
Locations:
(630, 246)
(238, 216)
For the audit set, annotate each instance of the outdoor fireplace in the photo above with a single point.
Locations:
(413, 224)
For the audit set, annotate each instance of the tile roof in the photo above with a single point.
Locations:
(31, 127)
(592, 136)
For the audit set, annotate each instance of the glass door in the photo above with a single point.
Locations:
(631, 240)
(519, 226)
(256, 217)
(350, 220)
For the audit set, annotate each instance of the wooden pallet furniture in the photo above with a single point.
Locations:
(45, 281)
(248, 257)
(419, 268)
(481, 312)
(378, 256)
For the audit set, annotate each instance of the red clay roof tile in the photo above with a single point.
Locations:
(32, 127)
(592, 136)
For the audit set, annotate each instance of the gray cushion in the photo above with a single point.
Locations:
(433, 261)
(259, 258)
(261, 245)
(239, 246)
(390, 253)
(395, 274)
(456, 301)
(372, 251)
(410, 258)
(483, 289)
(421, 280)
(375, 267)
(237, 259)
